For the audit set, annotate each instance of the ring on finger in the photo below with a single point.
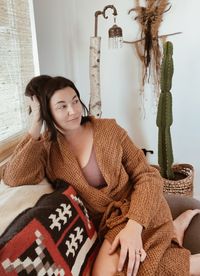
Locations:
(138, 252)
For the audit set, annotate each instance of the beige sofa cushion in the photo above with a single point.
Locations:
(14, 200)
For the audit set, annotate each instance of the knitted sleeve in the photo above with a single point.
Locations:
(26, 165)
(147, 184)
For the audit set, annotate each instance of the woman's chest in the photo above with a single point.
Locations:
(82, 149)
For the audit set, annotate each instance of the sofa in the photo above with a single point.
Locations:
(179, 204)
(29, 223)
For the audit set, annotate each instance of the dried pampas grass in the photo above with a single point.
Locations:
(148, 48)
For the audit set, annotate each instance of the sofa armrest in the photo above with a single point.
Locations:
(179, 204)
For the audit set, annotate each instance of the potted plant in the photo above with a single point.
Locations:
(177, 178)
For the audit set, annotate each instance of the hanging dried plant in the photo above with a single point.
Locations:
(149, 18)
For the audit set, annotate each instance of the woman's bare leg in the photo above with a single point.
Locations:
(182, 222)
(195, 265)
(105, 264)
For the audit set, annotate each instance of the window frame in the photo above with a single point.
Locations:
(7, 148)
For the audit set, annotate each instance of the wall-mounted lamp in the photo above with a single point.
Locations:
(114, 33)
(115, 36)
(115, 41)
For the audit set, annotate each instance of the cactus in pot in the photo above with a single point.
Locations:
(164, 114)
(177, 178)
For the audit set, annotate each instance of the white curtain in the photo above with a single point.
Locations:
(16, 68)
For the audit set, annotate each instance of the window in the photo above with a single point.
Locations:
(16, 69)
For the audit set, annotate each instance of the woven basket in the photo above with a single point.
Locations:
(182, 186)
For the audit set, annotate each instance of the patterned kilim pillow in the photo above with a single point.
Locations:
(55, 237)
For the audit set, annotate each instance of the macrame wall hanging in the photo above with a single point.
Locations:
(149, 17)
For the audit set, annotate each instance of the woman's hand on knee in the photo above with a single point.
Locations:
(130, 241)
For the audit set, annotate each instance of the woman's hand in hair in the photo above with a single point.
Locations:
(36, 125)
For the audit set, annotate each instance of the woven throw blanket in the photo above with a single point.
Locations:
(54, 237)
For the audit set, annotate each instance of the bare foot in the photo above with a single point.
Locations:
(195, 265)
(182, 222)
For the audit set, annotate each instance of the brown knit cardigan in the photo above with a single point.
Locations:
(134, 190)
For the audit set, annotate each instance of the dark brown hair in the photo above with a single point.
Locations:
(44, 87)
(35, 87)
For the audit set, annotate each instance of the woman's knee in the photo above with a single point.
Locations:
(100, 270)
(105, 264)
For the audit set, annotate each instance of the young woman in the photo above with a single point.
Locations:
(122, 191)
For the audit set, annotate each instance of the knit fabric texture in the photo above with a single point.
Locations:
(134, 190)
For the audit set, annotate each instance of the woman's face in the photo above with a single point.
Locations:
(66, 109)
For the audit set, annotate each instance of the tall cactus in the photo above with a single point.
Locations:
(164, 115)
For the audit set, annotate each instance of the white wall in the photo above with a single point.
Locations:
(63, 32)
